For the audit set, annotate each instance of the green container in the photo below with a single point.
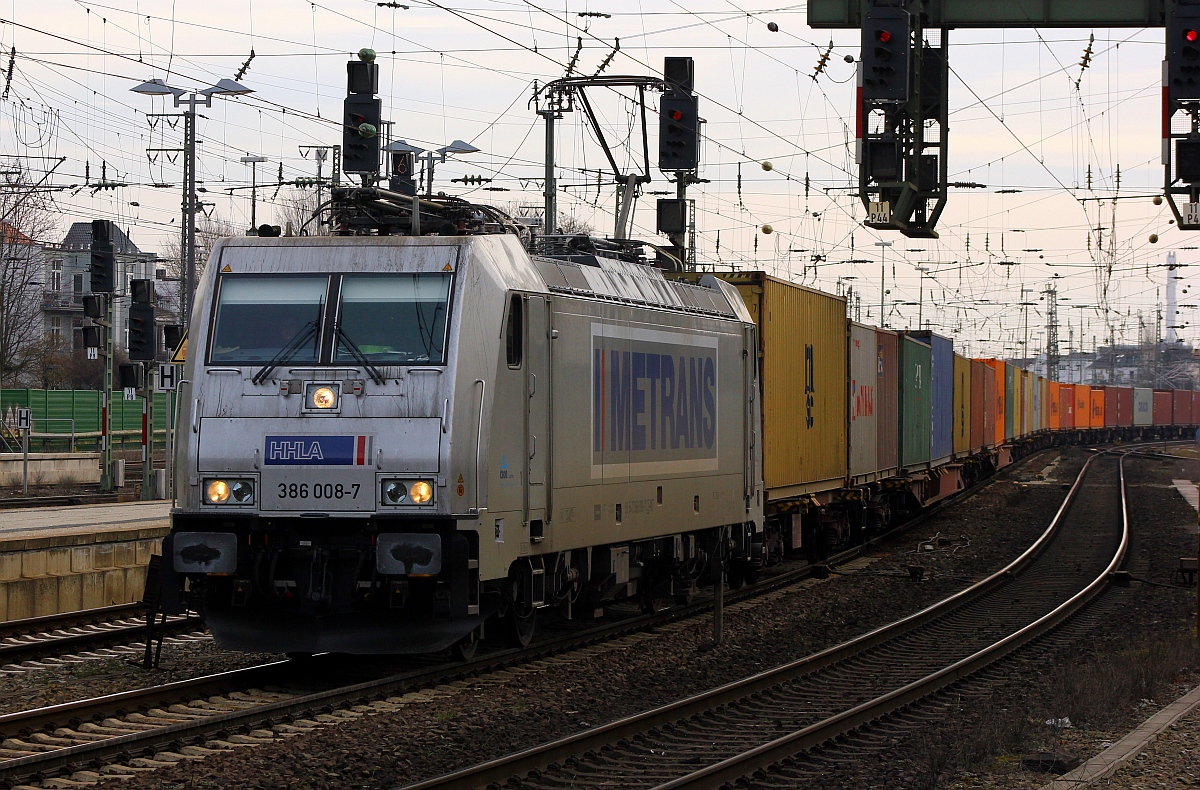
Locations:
(916, 403)
(1011, 394)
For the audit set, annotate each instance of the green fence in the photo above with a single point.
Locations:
(59, 414)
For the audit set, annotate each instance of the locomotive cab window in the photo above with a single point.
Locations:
(261, 318)
(514, 340)
(393, 319)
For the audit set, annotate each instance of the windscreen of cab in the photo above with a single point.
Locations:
(381, 319)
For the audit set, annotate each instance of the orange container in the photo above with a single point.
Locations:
(1096, 405)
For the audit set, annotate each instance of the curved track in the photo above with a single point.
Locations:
(175, 717)
(752, 725)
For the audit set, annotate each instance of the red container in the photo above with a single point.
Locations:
(1195, 407)
(1066, 406)
(1110, 407)
(887, 403)
(1181, 412)
(1162, 407)
(1124, 406)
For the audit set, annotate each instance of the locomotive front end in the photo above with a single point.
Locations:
(315, 496)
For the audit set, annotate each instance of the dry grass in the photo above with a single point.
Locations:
(1096, 693)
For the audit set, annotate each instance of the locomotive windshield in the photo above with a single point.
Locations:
(259, 318)
(393, 319)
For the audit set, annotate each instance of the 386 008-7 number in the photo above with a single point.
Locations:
(318, 491)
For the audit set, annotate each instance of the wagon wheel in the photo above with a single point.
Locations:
(464, 649)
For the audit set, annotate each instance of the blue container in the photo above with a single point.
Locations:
(941, 434)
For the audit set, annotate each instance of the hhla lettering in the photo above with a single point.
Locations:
(294, 450)
(647, 401)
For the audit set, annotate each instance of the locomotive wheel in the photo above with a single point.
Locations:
(518, 628)
(518, 619)
(464, 649)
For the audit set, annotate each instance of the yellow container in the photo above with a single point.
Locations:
(962, 405)
(802, 358)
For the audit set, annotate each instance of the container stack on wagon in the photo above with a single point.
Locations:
(861, 423)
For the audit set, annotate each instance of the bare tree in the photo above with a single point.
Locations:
(567, 224)
(294, 211)
(26, 222)
(209, 228)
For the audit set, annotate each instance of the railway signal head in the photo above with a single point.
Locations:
(143, 335)
(679, 132)
(1183, 52)
(886, 53)
(103, 261)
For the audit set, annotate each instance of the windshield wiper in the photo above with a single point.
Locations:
(359, 356)
(306, 333)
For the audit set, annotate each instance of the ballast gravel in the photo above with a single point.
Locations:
(431, 732)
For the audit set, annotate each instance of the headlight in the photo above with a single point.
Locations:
(242, 491)
(421, 492)
(229, 492)
(406, 492)
(218, 491)
(394, 492)
(324, 398)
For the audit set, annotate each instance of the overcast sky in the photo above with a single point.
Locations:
(1025, 120)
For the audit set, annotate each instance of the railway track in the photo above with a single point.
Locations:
(58, 500)
(172, 721)
(55, 635)
(750, 732)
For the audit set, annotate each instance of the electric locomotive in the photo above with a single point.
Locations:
(396, 443)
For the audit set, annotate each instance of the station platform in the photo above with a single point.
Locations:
(64, 559)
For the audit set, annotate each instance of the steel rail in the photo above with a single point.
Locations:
(54, 763)
(519, 763)
(814, 735)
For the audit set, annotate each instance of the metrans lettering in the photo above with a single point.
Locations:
(317, 450)
(654, 401)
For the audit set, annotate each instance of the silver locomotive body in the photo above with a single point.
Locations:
(384, 441)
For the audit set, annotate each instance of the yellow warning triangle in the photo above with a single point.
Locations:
(179, 355)
(225, 269)
(447, 268)
(460, 478)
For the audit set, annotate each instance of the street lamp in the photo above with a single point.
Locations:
(456, 147)
(921, 298)
(253, 161)
(400, 148)
(193, 99)
(882, 276)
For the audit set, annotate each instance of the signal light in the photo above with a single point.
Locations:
(886, 54)
(1183, 53)
(103, 259)
(679, 132)
(143, 335)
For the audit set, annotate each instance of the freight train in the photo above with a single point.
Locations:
(862, 425)
(392, 443)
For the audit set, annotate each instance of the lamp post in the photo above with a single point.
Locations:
(921, 298)
(456, 147)
(192, 100)
(253, 161)
(400, 149)
(882, 276)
